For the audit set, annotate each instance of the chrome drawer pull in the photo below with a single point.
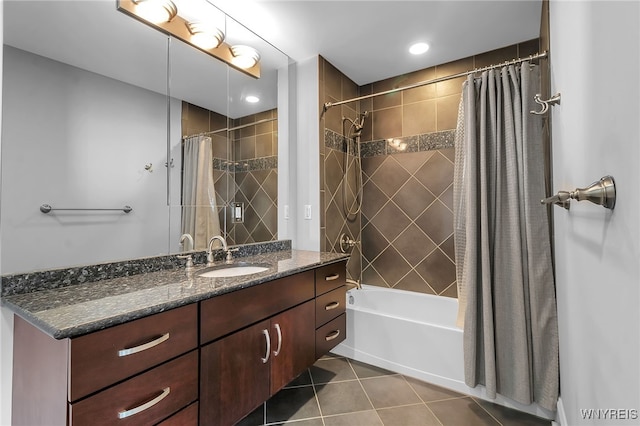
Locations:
(143, 347)
(332, 335)
(332, 277)
(277, 351)
(268, 339)
(146, 405)
(331, 306)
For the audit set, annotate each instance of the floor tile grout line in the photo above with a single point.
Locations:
(421, 399)
(315, 394)
(485, 410)
(365, 392)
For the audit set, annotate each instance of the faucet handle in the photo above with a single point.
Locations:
(189, 264)
(230, 253)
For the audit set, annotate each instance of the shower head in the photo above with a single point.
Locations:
(358, 123)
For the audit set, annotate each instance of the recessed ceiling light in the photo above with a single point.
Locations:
(252, 99)
(418, 48)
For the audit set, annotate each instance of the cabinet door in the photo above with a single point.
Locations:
(234, 378)
(292, 343)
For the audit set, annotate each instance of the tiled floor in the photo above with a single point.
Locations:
(342, 392)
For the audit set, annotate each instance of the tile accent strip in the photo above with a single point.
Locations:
(415, 143)
(250, 165)
(58, 278)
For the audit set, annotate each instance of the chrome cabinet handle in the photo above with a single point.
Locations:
(331, 306)
(332, 335)
(332, 277)
(146, 405)
(268, 353)
(143, 347)
(277, 351)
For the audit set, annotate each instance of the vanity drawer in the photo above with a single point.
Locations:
(330, 277)
(330, 305)
(330, 334)
(185, 417)
(229, 312)
(144, 399)
(108, 356)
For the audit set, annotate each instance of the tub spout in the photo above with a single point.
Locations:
(355, 283)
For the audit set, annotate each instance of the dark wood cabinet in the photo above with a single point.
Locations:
(292, 343)
(233, 378)
(242, 370)
(331, 325)
(209, 363)
(53, 378)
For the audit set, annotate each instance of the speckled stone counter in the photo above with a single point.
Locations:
(83, 308)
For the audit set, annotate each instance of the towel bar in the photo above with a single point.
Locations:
(46, 208)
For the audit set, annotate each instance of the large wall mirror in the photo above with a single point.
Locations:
(98, 113)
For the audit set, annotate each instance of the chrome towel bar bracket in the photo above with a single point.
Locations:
(602, 192)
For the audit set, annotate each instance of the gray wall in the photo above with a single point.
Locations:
(73, 138)
(595, 64)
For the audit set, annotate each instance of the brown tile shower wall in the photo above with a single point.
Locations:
(256, 177)
(252, 175)
(407, 159)
(335, 86)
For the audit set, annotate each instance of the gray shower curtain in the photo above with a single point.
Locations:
(503, 253)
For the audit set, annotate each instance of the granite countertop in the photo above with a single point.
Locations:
(79, 309)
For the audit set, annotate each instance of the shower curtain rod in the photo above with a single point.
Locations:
(328, 105)
(242, 126)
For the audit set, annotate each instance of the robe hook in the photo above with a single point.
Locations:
(554, 100)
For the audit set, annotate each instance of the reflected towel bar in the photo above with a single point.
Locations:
(46, 208)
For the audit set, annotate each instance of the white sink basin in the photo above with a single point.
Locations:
(233, 270)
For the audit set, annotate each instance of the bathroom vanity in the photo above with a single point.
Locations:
(186, 350)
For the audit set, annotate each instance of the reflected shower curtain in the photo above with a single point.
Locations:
(199, 212)
(503, 253)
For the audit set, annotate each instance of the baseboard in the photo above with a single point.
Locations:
(561, 415)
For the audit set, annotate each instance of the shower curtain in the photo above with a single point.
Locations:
(502, 243)
(199, 212)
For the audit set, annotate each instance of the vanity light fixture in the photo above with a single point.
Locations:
(418, 48)
(199, 33)
(244, 56)
(205, 36)
(156, 11)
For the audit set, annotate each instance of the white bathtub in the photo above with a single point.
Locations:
(405, 332)
(412, 334)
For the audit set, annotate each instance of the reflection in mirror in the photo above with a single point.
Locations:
(84, 126)
(244, 138)
(96, 121)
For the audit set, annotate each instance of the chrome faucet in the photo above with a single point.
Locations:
(189, 238)
(227, 250)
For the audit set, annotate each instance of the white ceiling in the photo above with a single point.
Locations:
(368, 40)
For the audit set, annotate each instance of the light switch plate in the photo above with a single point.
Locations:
(307, 211)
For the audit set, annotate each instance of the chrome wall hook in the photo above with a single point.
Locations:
(554, 100)
(602, 192)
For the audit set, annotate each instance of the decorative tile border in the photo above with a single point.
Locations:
(45, 280)
(416, 143)
(250, 165)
